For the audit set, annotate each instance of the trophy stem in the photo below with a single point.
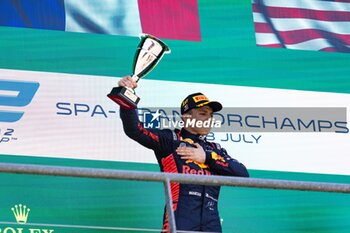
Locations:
(135, 78)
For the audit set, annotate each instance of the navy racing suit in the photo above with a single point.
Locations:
(195, 206)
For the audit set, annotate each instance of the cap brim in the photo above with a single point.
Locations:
(216, 106)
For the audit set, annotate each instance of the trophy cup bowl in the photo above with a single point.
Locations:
(149, 52)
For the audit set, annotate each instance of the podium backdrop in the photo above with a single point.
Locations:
(54, 111)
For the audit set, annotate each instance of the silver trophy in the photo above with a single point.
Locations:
(148, 54)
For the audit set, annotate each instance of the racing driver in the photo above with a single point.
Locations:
(187, 151)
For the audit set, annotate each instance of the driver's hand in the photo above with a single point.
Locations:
(196, 153)
(127, 81)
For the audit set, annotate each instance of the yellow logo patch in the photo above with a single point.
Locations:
(189, 140)
(184, 102)
(215, 156)
(201, 165)
(199, 98)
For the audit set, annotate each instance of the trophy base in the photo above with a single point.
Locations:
(125, 97)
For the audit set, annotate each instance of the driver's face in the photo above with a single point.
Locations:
(201, 114)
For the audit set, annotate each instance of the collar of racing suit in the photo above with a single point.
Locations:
(195, 137)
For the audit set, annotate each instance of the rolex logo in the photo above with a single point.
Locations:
(21, 213)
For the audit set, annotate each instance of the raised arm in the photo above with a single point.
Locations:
(154, 139)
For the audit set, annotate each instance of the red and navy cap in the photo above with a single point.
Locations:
(198, 100)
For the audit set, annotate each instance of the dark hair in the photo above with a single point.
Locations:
(188, 112)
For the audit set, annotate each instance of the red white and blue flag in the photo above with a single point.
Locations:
(168, 19)
(319, 25)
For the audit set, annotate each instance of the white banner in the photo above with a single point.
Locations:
(69, 116)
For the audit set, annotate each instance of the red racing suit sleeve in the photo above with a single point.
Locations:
(222, 164)
(155, 139)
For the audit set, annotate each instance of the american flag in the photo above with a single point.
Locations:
(317, 25)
